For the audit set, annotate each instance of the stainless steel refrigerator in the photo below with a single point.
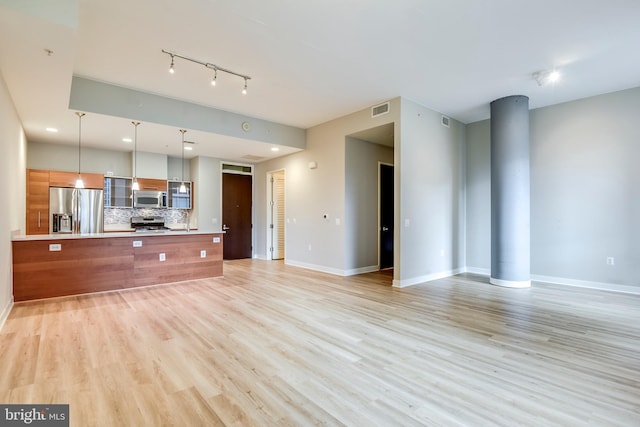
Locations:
(77, 211)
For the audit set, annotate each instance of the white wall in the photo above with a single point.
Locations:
(585, 192)
(429, 192)
(310, 193)
(361, 203)
(12, 174)
(65, 158)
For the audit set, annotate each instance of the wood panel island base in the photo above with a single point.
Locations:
(53, 266)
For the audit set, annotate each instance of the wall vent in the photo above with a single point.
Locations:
(444, 121)
(378, 110)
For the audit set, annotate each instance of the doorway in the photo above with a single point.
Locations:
(276, 215)
(236, 215)
(385, 175)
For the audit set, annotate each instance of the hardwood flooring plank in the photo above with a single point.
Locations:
(275, 345)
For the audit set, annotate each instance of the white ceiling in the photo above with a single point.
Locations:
(310, 61)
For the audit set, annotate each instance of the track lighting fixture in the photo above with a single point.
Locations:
(209, 65)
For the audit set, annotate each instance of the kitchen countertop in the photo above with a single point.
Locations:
(171, 232)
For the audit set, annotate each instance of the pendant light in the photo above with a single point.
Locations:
(79, 182)
(183, 188)
(135, 186)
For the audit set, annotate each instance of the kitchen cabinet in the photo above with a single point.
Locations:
(177, 200)
(117, 192)
(68, 179)
(37, 201)
(152, 184)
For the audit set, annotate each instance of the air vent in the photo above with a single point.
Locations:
(445, 121)
(378, 110)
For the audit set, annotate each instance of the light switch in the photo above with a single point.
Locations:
(163, 257)
(203, 254)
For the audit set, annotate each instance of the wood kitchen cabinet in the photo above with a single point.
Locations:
(68, 179)
(37, 201)
(152, 184)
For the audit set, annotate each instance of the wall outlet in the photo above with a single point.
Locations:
(163, 257)
(55, 247)
(137, 243)
(203, 254)
(611, 260)
(216, 240)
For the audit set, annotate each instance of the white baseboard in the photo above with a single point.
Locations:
(4, 315)
(429, 277)
(587, 284)
(330, 270)
(567, 282)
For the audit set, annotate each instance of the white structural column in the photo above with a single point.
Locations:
(510, 192)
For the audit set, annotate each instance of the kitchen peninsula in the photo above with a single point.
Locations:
(47, 266)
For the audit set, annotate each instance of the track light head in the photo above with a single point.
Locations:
(215, 77)
(244, 89)
(171, 69)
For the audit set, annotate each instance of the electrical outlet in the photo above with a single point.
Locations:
(137, 243)
(163, 257)
(611, 260)
(55, 247)
(203, 254)
(216, 240)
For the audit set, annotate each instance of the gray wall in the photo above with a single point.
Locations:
(12, 192)
(361, 202)
(585, 192)
(95, 160)
(310, 193)
(429, 191)
(207, 210)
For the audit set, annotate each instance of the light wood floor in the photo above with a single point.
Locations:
(270, 344)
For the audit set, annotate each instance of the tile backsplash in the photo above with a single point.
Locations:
(113, 216)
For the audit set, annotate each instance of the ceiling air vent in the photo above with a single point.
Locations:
(444, 121)
(378, 110)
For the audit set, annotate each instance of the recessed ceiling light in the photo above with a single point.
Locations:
(275, 149)
(188, 148)
(554, 76)
(127, 140)
(53, 130)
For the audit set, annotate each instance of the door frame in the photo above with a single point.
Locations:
(250, 172)
(268, 240)
(379, 208)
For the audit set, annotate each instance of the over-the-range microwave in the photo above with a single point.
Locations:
(149, 199)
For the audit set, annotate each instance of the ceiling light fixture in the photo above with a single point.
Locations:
(546, 77)
(183, 188)
(135, 186)
(79, 182)
(210, 66)
(171, 69)
(52, 130)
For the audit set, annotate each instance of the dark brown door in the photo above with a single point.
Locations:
(386, 216)
(236, 215)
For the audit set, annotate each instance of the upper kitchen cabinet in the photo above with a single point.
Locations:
(68, 179)
(152, 184)
(176, 199)
(37, 201)
(117, 192)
